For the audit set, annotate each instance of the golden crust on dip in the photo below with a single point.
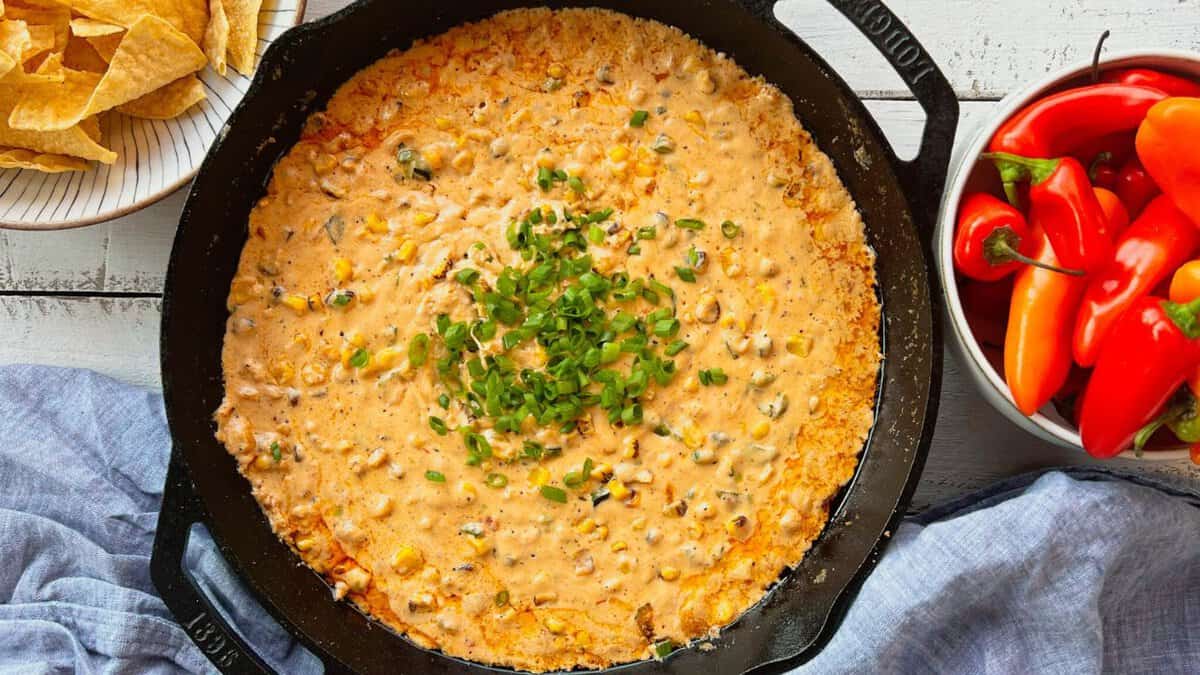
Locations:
(552, 340)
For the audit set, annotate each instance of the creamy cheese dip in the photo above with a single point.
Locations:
(545, 527)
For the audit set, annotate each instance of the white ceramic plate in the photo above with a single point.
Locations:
(154, 157)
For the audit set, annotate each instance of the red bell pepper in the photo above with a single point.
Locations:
(1135, 187)
(1144, 362)
(1059, 123)
(1172, 85)
(1158, 242)
(992, 239)
(1063, 204)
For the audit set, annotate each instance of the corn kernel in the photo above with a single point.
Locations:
(618, 153)
(406, 560)
(692, 437)
(386, 358)
(556, 70)
(376, 224)
(407, 251)
(760, 430)
(263, 462)
(800, 345)
(691, 385)
(283, 371)
(433, 157)
(644, 169)
(442, 123)
(669, 573)
(586, 526)
(315, 302)
(539, 476)
(766, 293)
(555, 625)
(481, 545)
(619, 546)
(602, 532)
(695, 530)
(618, 490)
(423, 218)
(305, 544)
(343, 270)
(301, 340)
(357, 339)
(365, 296)
(693, 117)
(638, 524)
(297, 303)
(463, 161)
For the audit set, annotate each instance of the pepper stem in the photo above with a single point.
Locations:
(1015, 169)
(1001, 246)
(1186, 316)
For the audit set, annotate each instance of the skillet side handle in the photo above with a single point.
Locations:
(181, 508)
(924, 177)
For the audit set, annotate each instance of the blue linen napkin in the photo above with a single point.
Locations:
(1058, 573)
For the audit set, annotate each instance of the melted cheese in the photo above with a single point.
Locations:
(337, 450)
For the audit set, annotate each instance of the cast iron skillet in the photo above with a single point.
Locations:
(298, 74)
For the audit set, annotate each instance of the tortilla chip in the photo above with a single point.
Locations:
(243, 33)
(168, 102)
(7, 63)
(128, 12)
(15, 39)
(85, 27)
(41, 41)
(106, 45)
(91, 127)
(216, 36)
(55, 16)
(153, 54)
(194, 15)
(74, 141)
(52, 65)
(18, 158)
(1, 8)
(81, 55)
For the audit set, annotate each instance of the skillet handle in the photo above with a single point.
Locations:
(924, 177)
(182, 508)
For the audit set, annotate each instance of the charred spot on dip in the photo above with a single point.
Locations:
(477, 351)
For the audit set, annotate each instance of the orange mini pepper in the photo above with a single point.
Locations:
(1185, 287)
(1041, 322)
(1116, 215)
(1164, 145)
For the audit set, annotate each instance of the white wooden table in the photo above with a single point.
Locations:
(90, 297)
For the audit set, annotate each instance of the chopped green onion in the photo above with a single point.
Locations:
(690, 223)
(634, 249)
(554, 494)
(576, 184)
(647, 232)
(501, 598)
(666, 327)
(663, 648)
(595, 234)
(544, 178)
(360, 358)
(466, 276)
(675, 347)
(444, 401)
(639, 118)
(276, 453)
(496, 480)
(687, 274)
(662, 430)
(730, 229)
(435, 476)
(438, 425)
(418, 350)
(712, 376)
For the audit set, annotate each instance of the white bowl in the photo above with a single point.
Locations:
(969, 170)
